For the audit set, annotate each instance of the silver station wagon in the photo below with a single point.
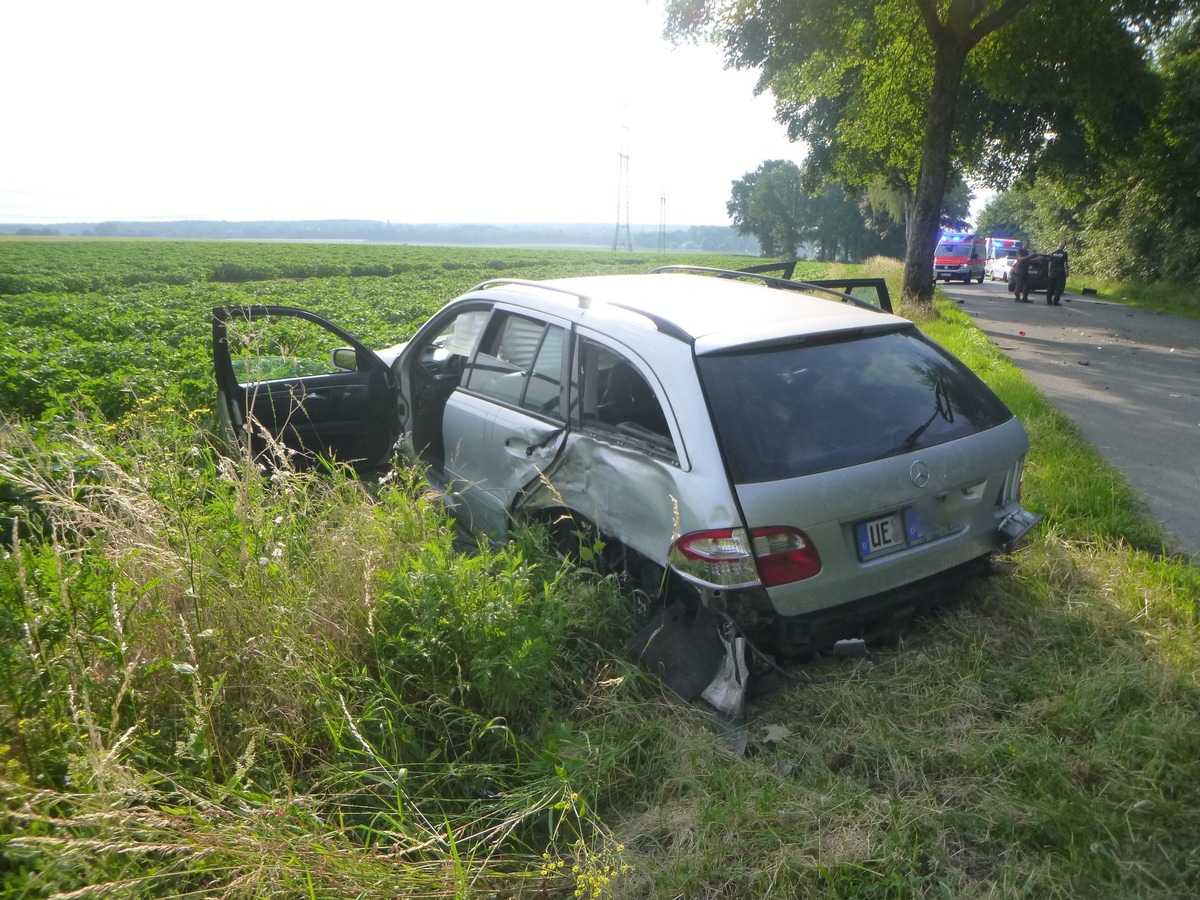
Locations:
(794, 457)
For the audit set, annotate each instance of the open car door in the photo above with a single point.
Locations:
(873, 291)
(866, 292)
(296, 390)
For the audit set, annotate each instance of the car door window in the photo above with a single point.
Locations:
(438, 370)
(520, 362)
(614, 398)
(297, 394)
(271, 348)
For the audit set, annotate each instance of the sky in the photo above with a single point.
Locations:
(447, 111)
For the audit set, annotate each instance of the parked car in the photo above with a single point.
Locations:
(998, 267)
(792, 456)
(1038, 274)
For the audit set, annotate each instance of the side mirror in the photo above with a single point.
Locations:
(344, 358)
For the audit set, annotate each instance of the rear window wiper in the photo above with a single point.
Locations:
(941, 407)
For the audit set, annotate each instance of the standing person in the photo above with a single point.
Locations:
(1057, 270)
(1020, 277)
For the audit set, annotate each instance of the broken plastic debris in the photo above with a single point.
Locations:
(853, 647)
(727, 691)
(773, 734)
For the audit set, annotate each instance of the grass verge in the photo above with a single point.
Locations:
(1177, 299)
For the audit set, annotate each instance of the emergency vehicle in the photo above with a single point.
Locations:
(960, 256)
(1001, 254)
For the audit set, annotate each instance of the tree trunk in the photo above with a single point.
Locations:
(925, 215)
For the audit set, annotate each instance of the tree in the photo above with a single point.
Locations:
(770, 204)
(1133, 216)
(875, 88)
(774, 205)
(1008, 215)
(841, 232)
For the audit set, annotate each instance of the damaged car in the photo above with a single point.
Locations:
(791, 457)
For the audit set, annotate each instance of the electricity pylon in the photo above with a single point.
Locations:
(623, 203)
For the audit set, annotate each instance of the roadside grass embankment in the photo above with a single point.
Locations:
(218, 684)
(1175, 298)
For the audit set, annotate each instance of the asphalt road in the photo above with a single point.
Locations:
(1129, 379)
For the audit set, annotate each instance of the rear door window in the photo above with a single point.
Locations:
(520, 362)
(785, 411)
(616, 401)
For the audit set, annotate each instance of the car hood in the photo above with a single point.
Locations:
(390, 354)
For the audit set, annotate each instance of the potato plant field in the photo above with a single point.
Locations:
(101, 324)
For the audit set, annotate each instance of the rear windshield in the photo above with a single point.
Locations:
(786, 411)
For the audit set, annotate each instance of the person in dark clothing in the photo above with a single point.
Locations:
(1057, 270)
(1020, 277)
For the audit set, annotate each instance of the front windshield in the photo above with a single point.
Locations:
(951, 249)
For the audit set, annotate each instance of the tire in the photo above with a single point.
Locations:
(980, 279)
(571, 536)
(580, 542)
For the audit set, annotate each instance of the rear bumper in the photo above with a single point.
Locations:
(882, 614)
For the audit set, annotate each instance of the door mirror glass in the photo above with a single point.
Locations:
(344, 359)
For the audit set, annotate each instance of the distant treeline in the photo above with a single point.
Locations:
(707, 238)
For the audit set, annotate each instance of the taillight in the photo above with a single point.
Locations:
(1011, 493)
(784, 555)
(729, 557)
(721, 557)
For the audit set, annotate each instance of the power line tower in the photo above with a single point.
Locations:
(662, 222)
(623, 202)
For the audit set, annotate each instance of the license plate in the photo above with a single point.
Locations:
(883, 535)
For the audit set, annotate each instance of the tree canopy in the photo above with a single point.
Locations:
(776, 205)
(1136, 215)
(912, 91)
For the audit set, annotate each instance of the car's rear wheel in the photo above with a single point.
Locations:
(578, 540)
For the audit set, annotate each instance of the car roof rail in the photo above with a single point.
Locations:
(663, 325)
(583, 299)
(785, 284)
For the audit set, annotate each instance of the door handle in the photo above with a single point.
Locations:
(543, 443)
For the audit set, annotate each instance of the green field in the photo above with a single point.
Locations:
(104, 324)
(216, 684)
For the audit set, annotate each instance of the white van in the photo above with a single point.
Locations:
(1001, 254)
(959, 256)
